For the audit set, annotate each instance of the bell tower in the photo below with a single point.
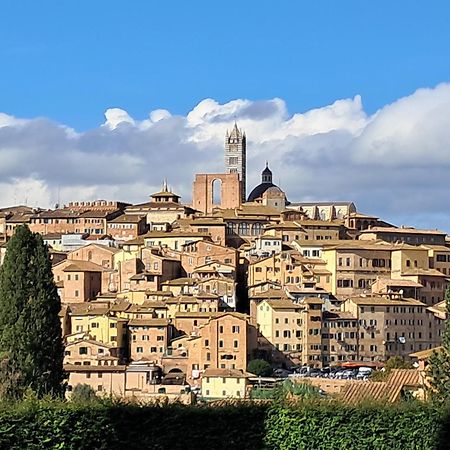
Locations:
(236, 155)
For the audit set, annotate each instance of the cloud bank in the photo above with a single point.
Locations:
(394, 163)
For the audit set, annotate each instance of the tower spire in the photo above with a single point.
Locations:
(236, 155)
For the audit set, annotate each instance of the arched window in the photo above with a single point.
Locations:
(243, 229)
(89, 255)
(256, 229)
(217, 192)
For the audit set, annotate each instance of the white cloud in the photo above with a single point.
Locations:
(394, 163)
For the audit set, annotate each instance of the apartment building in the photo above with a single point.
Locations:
(289, 268)
(407, 235)
(149, 338)
(365, 329)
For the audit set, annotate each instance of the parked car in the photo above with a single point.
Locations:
(281, 373)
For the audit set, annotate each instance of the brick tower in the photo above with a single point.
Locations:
(236, 156)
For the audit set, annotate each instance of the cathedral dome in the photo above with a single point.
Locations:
(259, 190)
(266, 183)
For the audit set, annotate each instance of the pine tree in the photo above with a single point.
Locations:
(30, 329)
(438, 369)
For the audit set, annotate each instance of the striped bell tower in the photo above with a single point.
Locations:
(236, 155)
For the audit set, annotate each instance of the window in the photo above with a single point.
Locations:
(235, 344)
(83, 351)
(100, 375)
(206, 342)
(235, 329)
(99, 388)
(139, 350)
(153, 349)
(77, 293)
(221, 344)
(94, 324)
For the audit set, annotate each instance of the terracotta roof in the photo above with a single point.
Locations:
(90, 341)
(148, 322)
(313, 300)
(399, 283)
(172, 234)
(138, 241)
(180, 282)
(51, 236)
(270, 293)
(226, 373)
(83, 368)
(119, 306)
(425, 354)
(423, 273)
(112, 250)
(160, 293)
(402, 230)
(283, 304)
(383, 301)
(82, 266)
(127, 218)
(388, 391)
(87, 309)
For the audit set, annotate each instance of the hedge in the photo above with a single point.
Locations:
(324, 425)
(313, 425)
(103, 426)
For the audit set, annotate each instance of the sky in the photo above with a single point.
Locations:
(347, 100)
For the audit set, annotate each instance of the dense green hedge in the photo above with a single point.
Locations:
(331, 426)
(109, 427)
(308, 426)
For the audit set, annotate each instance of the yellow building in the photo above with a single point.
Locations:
(280, 322)
(97, 322)
(225, 383)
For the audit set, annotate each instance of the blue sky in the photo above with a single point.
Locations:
(348, 100)
(70, 60)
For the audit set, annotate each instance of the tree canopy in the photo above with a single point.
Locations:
(30, 330)
(260, 367)
(439, 363)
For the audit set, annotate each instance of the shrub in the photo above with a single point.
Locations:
(260, 368)
(83, 393)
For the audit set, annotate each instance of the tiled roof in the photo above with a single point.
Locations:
(402, 230)
(388, 391)
(83, 368)
(149, 322)
(283, 304)
(82, 266)
(226, 373)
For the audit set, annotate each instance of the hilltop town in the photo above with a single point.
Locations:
(166, 298)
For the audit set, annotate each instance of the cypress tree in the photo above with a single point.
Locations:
(438, 369)
(30, 329)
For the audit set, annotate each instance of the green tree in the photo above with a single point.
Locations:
(438, 369)
(83, 393)
(260, 368)
(396, 362)
(30, 330)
